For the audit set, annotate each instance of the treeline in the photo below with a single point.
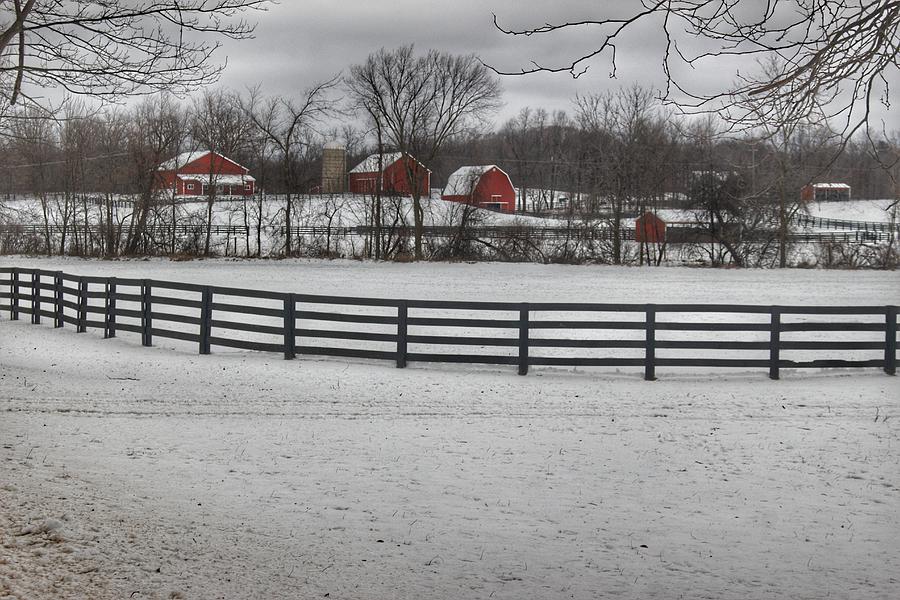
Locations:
(614, 154)
(620, 142)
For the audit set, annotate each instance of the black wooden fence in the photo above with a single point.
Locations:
(422, 330)
(802, 220)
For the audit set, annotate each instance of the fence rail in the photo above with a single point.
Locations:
(802, 220)
(508, 333)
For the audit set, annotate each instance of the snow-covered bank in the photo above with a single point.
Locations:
(326, 226)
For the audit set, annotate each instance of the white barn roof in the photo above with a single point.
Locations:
(831, 186)
(370, 165)
(186, 158)
(462, 181)
(182, 159)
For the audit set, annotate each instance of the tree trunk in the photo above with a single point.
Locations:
(288, 251)
(419, 215)
(260, 202)
(782, 227)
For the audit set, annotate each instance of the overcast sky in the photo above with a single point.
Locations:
(301, 42)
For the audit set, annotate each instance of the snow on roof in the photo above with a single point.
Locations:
(219, 179)
(182, 159)
(720, 175)
(186, 158)
(370, 165)
(831, 186)
(462, 181)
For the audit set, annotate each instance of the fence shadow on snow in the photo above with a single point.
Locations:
(563, 334)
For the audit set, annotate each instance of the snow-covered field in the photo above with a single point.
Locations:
(155, 473)
(876, 211)
(854, 210)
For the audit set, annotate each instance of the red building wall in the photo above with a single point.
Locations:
(363, 183)
(493, 187)
(807, 193)
(201, 168)
(396, 180)
(650, 228)
(166, 179)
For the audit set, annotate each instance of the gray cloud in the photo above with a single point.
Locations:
(299, 43)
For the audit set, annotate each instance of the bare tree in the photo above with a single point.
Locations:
(421, 103)
(33, 139)
(77, 135)
(369, 106)
(260, 149)
(114, 48)
(786, 135)
(288, 125)
(157, 132)
(837, 53)
(220, 126)
(109, 176)
(720, 207)
(627, 139)
(517, 135)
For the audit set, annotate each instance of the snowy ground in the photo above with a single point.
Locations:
(156, 473)
(854, 210)
(877, 211)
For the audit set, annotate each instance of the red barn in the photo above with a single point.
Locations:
(191, 173)
(393, 179)
(825, 192)
(486, 186)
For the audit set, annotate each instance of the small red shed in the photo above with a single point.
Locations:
(191, 174)
(650, 228)
(485, 186)
(393, 178)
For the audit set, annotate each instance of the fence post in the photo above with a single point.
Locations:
(14, 293)
(58, 299)
(106, 309)
(146, 316)
(650, 344)
(523, 339)
(81, 326)
(775, 342)
(290, 327)
(205, 319)
(402, 316)
(35, 297)
(110, 308)
(890, 340)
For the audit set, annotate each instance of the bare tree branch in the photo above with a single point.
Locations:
(422, 102)
(115, 48)
(836, 54)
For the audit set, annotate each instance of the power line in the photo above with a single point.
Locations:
(62, 162)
